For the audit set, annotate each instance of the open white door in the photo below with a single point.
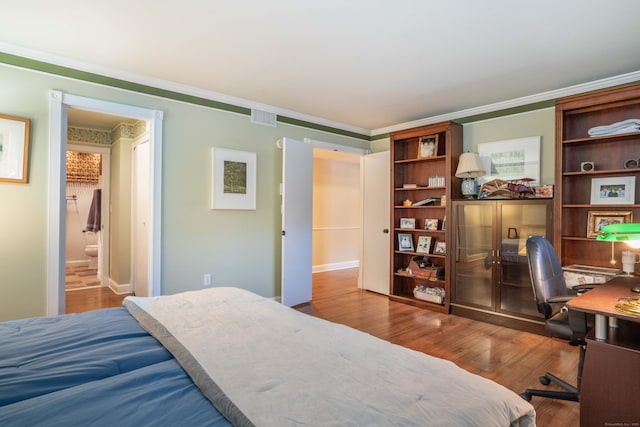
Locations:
(297, 202)
(140, 220)
(374, 265)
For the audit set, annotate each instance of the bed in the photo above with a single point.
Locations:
(226, 356)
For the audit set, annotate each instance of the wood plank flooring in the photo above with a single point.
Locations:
(512, 358)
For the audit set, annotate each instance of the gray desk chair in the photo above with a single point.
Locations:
(550, 292)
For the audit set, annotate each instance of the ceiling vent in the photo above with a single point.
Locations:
(263, 118)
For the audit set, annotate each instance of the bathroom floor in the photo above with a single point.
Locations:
(78, 278)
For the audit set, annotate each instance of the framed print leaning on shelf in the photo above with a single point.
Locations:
(597, 220)
(407, 223)
(428, 146)
(431, 224)
(440, 248)
(620, 190)
(424, 245)
(405, 242)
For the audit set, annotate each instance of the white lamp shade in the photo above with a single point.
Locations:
(470, 166)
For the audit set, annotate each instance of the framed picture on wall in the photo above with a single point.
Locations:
(14, 149)
(233, 183)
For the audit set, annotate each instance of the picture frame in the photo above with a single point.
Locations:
(444, 223)
(431, 224)
(596, 220)
(620, 190)
(424, 244)
(233, 179)
(427, 146)
(511, 159)
(405, 242)
(14, 149)
(440, 248)
(409, 223)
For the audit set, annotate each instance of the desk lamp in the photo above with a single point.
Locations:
(628, 233)
(469, 168)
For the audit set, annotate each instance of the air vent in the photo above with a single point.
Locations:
(264, 118)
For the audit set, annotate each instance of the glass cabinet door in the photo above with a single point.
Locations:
(518, 221)
(473, 233)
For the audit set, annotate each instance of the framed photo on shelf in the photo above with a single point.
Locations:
(405, 242)
(407, 223)
(620, 190)
(440, 248)
(428, 146)
(444, 223)
(431, 224)
(597, 220)
(424, 244)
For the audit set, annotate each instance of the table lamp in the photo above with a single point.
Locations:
(469, 168)
(628, 233)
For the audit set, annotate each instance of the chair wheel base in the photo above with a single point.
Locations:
(526, 396)
(544, 380)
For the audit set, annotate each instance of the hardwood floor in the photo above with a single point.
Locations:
(512, 358)
(509, 357)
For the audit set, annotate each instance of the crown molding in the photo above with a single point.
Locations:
(515, 103)
(231, 101)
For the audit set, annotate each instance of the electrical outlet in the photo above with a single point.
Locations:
(207, 279)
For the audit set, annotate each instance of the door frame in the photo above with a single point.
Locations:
(59, 102)
(135, 244)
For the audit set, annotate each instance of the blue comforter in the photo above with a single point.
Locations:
(96, 368)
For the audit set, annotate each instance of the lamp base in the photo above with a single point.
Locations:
(469, 188)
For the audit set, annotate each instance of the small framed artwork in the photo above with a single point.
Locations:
(431, 224)
(428, 146)
(14, 149)
(597, 220)
(613, 191)
(233, 183)
(407, 223)
(444, 223)
(424, 244)
(405, 242)
(440, 248)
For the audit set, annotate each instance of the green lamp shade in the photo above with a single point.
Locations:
(628, 233)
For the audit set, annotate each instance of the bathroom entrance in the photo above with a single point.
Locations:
(86, 241)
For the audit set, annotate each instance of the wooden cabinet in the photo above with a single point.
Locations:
(423, 165)
(490, 267)
(614, 160)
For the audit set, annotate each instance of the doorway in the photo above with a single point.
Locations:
(59, 105)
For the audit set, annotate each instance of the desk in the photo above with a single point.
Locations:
(610, 389)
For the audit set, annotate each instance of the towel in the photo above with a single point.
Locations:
(94, 220)
(625, 126)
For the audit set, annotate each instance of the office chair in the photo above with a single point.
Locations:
(550, 292)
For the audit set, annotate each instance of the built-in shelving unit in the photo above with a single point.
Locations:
(420, 172)
(574, 147)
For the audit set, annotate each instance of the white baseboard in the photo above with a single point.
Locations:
(118, 288)
(335, 266)
(77, 263)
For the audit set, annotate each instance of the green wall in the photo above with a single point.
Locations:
(240, 248)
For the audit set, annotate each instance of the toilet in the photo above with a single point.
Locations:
(92, 253)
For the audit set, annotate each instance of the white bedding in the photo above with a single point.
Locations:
(265, 364)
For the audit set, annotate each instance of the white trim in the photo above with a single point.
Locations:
(335, 266)
(120, 289)
(517, 102)
(58, 104)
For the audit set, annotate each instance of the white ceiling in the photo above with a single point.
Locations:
(361, 64)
